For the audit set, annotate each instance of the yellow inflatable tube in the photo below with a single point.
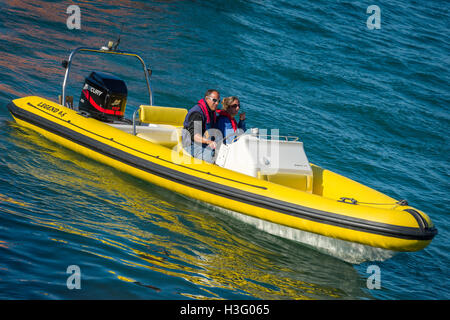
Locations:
(375, 219)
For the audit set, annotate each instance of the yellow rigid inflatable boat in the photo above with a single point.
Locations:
(319, 202)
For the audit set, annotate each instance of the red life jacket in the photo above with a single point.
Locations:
(202, 104)
(232, 120)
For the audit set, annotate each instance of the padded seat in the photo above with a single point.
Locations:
(162, 115)
(165, 124)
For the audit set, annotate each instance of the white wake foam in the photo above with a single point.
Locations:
(350, 252)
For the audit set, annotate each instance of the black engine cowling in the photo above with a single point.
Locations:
(104, 97)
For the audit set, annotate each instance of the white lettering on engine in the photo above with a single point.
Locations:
(96, 91)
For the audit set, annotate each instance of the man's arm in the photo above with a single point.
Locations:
(198, 136)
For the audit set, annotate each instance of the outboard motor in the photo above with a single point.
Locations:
(104, 97)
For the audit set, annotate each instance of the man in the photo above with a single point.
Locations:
(201, 118)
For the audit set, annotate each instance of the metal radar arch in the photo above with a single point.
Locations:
(110, 48)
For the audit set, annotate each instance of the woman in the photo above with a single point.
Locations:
(226, 122)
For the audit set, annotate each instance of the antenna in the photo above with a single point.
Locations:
(112, 46)
(118, 39)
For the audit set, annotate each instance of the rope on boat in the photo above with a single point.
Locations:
(354, 201)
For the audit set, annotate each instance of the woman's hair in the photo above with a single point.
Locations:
(226, 102)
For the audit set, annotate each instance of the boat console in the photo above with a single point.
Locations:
(278, 159)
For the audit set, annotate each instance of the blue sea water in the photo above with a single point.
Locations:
(372, 105)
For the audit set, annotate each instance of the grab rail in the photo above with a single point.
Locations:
(134, 120)
(285, 138)
(255, 133)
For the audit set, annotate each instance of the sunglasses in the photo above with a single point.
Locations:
(213, 100)
(236, 105)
